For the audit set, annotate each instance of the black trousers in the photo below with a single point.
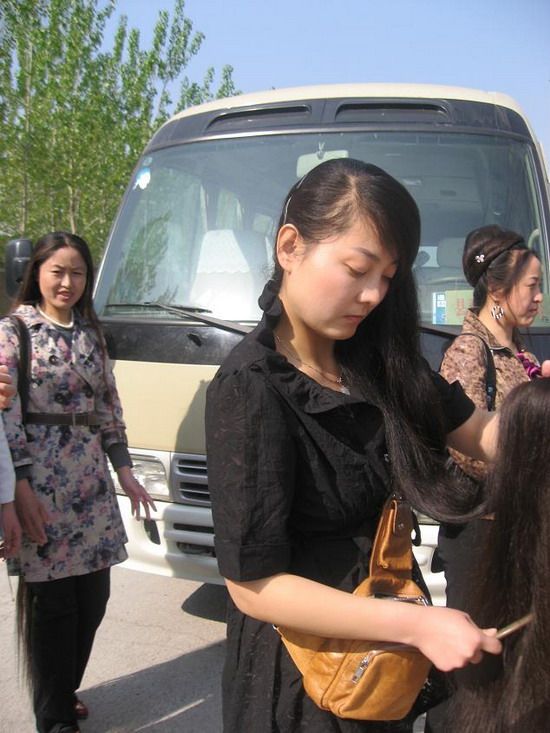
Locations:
(64, 616)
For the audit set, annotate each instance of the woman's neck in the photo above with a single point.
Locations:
(307, 346)
(312, 355)
(61, 317)
(501, 329)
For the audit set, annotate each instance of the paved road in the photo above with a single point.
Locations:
(156, 663)
(155, 666)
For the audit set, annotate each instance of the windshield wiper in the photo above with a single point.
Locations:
(195, 312)
(194, 309)
(153, 304)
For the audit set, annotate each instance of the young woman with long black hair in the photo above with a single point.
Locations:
(64, 495)
(311, 422)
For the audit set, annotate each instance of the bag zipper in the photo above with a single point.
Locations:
(360, 671)
(420, 600)
(384, 647)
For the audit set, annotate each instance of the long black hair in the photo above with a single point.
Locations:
(29, 294)
(513, 693)
(383, 358)
(29, 290)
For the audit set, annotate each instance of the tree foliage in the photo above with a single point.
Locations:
(75, 116)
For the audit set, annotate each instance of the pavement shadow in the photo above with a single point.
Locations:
(209, 601)
(183, 694)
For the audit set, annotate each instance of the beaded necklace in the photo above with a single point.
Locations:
(58, 324)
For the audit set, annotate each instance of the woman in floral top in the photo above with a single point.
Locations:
(506, 277)
(65, 498)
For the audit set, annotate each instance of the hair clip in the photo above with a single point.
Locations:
(480, 258)
(285, 212)
(296, 187)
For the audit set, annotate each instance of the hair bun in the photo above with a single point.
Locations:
(483, 246)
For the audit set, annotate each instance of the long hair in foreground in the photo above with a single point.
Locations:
(512, 694)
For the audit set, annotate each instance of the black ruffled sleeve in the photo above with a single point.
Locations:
(251, 474)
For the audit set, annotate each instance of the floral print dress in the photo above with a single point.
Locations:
(465, 360)
(66, 465)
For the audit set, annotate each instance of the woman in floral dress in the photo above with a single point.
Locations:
(73, 532)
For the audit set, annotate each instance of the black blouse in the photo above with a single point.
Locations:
(298, 473)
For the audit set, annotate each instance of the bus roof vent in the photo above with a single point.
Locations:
(260, 118)
(396, 112)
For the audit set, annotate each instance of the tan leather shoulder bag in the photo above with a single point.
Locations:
(369, 680)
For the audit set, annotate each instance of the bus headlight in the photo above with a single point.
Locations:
(151, 474)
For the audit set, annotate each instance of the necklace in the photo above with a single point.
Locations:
(70, 324)
(296, 358)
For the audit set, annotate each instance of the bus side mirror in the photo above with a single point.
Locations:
(18, 254)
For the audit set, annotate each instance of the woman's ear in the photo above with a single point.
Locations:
(289, 246)
(495, 295)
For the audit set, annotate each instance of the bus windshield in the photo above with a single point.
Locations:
(197, 225)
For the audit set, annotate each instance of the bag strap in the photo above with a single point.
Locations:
(392, 554)
(23, 365)
(490, 372)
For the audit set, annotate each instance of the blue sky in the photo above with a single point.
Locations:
(496, 45)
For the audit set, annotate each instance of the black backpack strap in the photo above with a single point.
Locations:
(490, 379)
(490, 373)
(24, 364)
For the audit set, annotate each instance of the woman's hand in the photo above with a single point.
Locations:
(135, 492)
(451, 640)
(7, 390)
(31, 512)
(545, 368)
(11, 531)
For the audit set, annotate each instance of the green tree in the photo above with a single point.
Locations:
(76, 116)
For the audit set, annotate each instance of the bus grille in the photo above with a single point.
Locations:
(190, 480)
